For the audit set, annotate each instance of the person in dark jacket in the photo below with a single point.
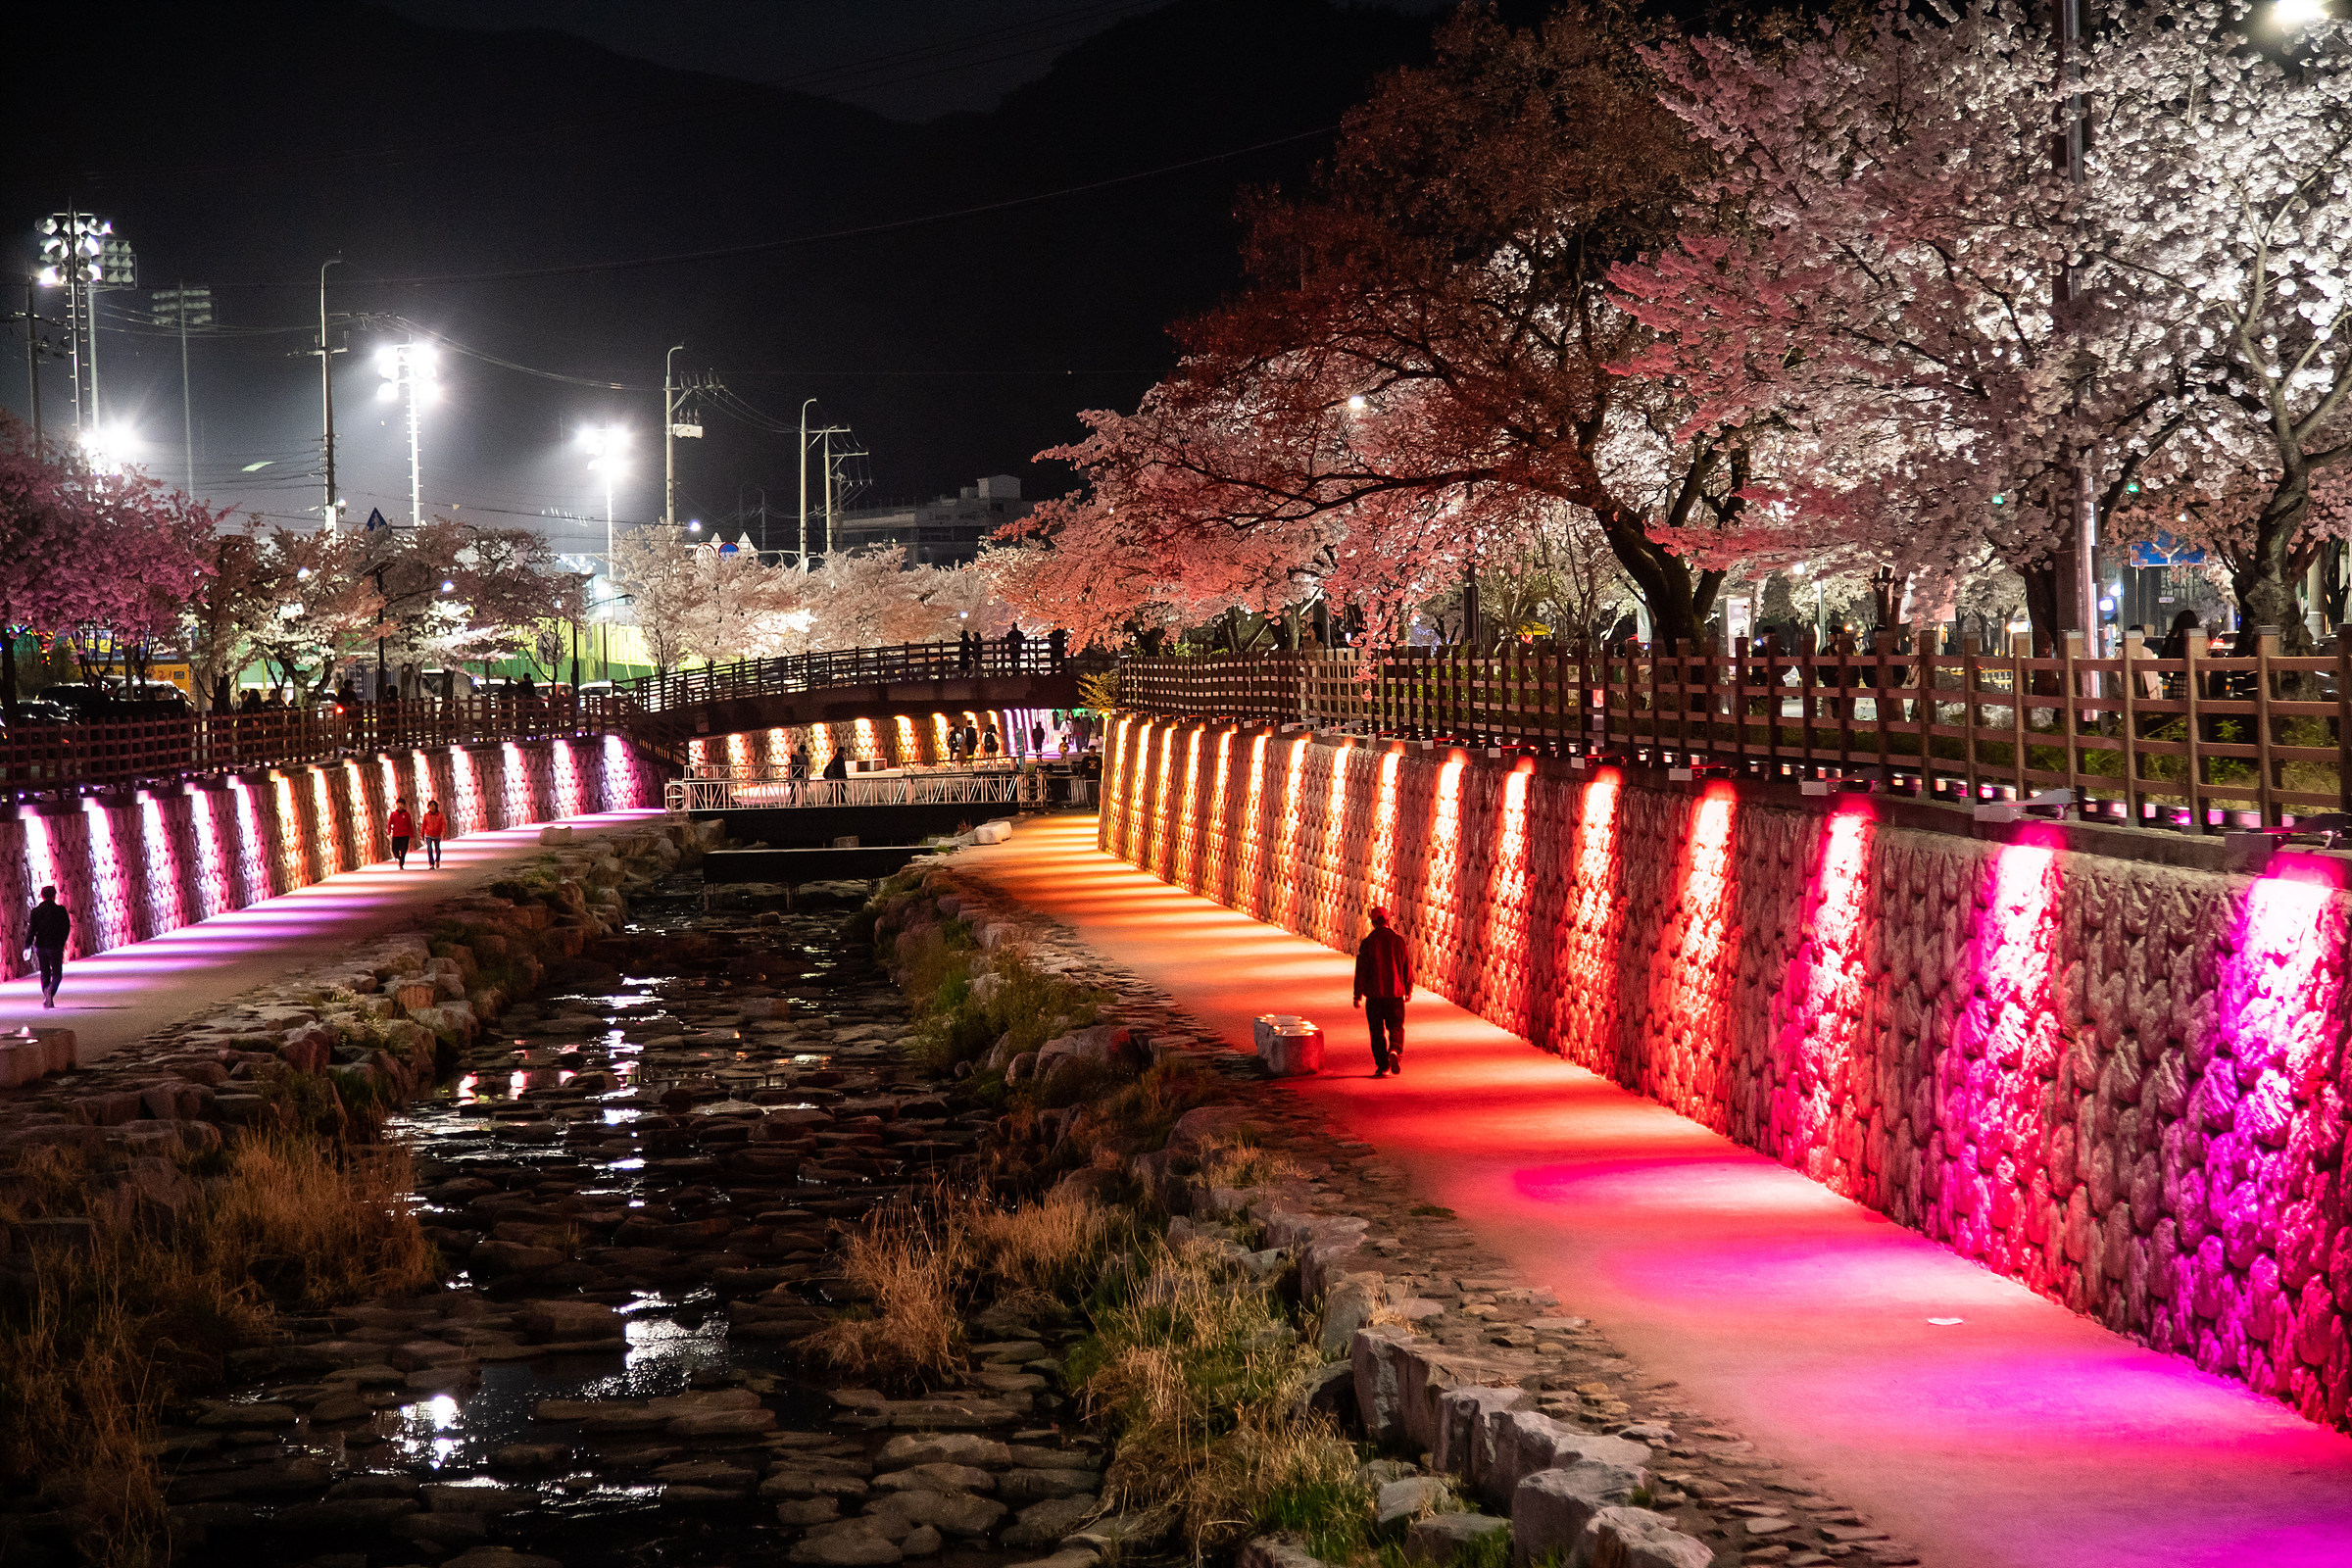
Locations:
(45, 932)
(836, 765)
(1383, 979)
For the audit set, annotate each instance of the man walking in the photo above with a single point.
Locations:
(45, 932)
(1383, 979)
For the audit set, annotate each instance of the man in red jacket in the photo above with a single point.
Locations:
(1383, 978)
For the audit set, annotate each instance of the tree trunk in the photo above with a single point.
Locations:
(2265, 594)
(8, 668)
(1678, 603)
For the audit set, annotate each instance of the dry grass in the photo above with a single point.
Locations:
(142, 1307)
(314, 1230)
(1200, 1374)
(924, 1264)
(1228, 1161)
(1054, 1246)
(907, 1263)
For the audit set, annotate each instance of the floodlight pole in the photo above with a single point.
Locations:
(326, 399)
(188, 405)
(408, 364)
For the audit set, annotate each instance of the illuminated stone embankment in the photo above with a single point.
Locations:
(2118, 1080)
(135, 865)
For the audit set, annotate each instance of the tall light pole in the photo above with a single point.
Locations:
(80, 254)
(184, 307)
(333, 507)
(410, 368)
(605, 442)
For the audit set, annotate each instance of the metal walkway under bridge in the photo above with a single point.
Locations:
(738, 789)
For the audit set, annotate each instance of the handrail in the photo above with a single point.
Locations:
(107, 754)
(111, 754)
(855, 666)
(2266, 738)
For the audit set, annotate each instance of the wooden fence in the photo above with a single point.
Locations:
(105, 753)
(2200, 742)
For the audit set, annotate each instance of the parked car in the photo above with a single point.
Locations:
(114, 705)
(35, 711)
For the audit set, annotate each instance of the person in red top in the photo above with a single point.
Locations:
(402, 827)
(435, 828)
(1383, 979)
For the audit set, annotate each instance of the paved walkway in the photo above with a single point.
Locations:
(120, 997)
(2019, 1436)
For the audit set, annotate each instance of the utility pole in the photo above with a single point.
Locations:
(800, 543)
(671, 431)
(332, 504)
(32, 354)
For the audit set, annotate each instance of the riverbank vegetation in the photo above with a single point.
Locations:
(128, 1297)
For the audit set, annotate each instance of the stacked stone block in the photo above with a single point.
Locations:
(2120, 1083)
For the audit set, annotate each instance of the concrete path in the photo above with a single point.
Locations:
(120, 997)
(2018, 1434)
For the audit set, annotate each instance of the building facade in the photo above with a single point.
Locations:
(945, 532)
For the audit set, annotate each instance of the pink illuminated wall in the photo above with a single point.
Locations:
(131, 868)
(2120, 1083)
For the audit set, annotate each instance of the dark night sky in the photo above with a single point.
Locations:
(239, 147)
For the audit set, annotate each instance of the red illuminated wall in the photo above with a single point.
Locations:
(2118, 1081)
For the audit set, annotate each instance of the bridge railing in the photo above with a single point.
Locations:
(129, 752)
(2200, 740)
(744, 789)
(852, 666)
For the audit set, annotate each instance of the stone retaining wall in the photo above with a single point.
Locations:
(2120, 1083)
(133, 867)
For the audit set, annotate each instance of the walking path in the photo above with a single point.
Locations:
(2021, 1435)
(120, 997)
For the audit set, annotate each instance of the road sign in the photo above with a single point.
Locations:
(2166, 550)
(375, 521)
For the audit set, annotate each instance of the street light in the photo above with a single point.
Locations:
(603, 443)
(2292, 14)
(109, 447)
(410, 368)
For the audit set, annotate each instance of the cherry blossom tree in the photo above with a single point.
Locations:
(38, 513)
(1902, 278)
(1427, 361)
(2225, 147)
(85, 548)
